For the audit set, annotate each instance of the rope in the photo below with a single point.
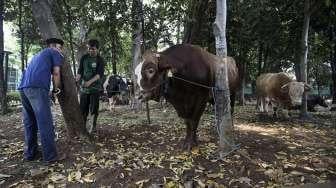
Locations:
(194, 83)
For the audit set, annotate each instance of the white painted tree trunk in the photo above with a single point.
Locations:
(136, 49)
(304, 55)
(223, 116)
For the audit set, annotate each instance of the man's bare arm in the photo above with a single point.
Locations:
(92, 80)
(56, 77)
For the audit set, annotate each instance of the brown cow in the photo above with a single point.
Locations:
(179, 74)
(280, 90)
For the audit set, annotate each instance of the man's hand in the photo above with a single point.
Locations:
(53, 94)
(78, 77)
(87, 84)
(56, 91)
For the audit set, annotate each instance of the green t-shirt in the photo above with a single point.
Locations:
(90, 66)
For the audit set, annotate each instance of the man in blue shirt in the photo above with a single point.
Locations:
(34, 90)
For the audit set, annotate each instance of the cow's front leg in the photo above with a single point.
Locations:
(191, 137)
(275, 111)
(110, 103)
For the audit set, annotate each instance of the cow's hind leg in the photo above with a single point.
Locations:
(232, 101)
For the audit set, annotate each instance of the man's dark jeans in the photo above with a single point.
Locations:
(37, 116)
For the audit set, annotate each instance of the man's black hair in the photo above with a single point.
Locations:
(93, 43)
(54, 41)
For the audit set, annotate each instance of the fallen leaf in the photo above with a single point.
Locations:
(215, 175)
(245, 180)
(195, 151)
(5, 176)
(302, 178)
(296, 173)
(200, 184)
(57, 178)
(37, 172)
(89, 177)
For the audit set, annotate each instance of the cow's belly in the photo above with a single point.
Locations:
(188, 104)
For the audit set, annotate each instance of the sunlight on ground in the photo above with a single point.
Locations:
(257, 129)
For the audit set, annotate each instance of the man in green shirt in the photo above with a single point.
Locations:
(90, 72)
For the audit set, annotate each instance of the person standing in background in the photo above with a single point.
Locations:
(90, 72)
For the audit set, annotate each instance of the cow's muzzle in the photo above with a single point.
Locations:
(143, 96)
(296, 102)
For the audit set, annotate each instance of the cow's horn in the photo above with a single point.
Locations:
(284, 88)
(170, 74)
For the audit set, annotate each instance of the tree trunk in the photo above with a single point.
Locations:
(304, 55)
(114, 62)
(136, 49)
(68, 98)
(223, 116)
(26, 51)
(22, 50)
(178, 35)
(195, 19)
(333, 63)
(3, 97)
(260, 57)
(333, 69)
(242, 72)
(69, 30)
(265, 65)
(297, 55)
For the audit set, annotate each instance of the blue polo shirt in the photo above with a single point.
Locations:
(39, 70)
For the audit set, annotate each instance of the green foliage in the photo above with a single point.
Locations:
(13, 97)
(268, 28)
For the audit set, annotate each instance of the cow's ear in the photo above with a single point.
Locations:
(307, 87)
(284, 88)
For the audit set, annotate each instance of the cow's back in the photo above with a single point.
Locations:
(269, 85)
(191, 62)
(200, 65)
(233, 74)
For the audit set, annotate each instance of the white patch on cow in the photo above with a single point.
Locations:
(137, 71)
(106, 83)
(296, 90)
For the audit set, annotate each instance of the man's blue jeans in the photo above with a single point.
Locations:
(37, 116)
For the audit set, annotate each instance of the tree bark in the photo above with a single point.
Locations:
(333, 63)
(195, 21)
(242, 73)
(304, 55)
(69, 30)
(22, 50)
(260, 57)
(136, 49)
(3, 97)
(68, 98)
(297, 55)
(223, 116)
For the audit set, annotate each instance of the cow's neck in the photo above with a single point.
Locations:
(164, 86)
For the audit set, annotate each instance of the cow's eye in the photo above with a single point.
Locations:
(151, 71)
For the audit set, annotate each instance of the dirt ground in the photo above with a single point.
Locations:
(130, 153)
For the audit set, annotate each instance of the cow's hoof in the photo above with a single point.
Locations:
(188, 145)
